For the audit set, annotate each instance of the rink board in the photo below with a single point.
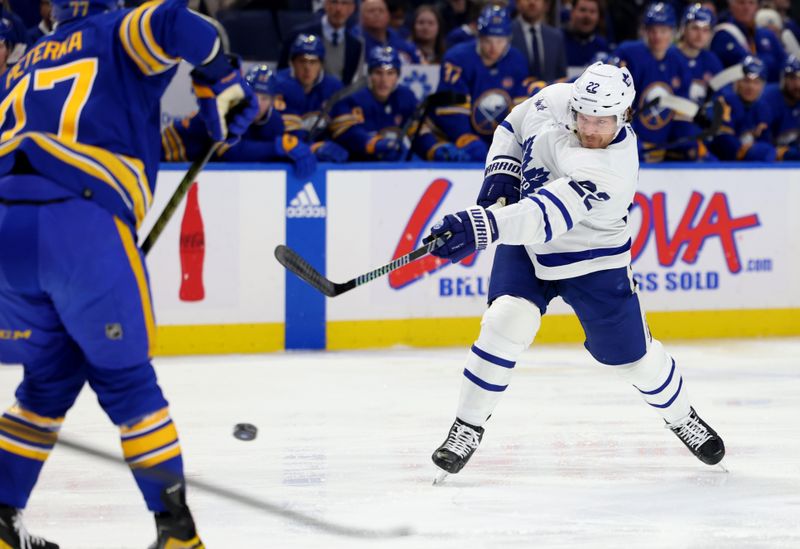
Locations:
(715, 254)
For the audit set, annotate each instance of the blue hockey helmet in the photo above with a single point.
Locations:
(383, 57)
(697, 13)
(308, 45)
(754, 67)
(659, 13)
(6, 33)
(261, 79)
(494, 21)
(791, 65)
(64, 10)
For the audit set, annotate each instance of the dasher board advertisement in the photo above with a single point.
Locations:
(703, 239)
(213, 263)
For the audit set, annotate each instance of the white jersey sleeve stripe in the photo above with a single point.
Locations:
(560, 205)
(548, 231)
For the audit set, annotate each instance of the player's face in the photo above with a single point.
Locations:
(596, 132)
(339, 11)
(306, 69)
(749, 89)
(264, 104)
(744, 10)
(426, 27)
(658, 38)
(492, 48)
(791, 86)
(584, 16)
(383, 81)
(697, 35)
(532, 10)
(374, 14)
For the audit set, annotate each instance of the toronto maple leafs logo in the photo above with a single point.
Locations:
(532, 177)
(540, 106)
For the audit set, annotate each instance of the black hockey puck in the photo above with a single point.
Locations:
(245, 431)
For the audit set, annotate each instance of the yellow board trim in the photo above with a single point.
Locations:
(447, 332)
(219, 339)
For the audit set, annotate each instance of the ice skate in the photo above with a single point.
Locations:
(702, 440)
(13, 534)
(175, 527)
(462, 441)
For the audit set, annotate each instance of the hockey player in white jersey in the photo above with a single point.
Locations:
(566, 164)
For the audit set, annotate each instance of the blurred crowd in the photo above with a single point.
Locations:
(715, 80)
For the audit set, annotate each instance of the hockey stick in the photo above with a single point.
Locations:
(328, 104)
(303, 269)
(293, 262)
(432, 101)
(242, 499)
(176, 198)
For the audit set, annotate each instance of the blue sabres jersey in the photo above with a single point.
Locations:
(300, 110)
(492, 91)
(186, 139)
(703, 67)
(582, 50)
(653, 77)
(784, 127)
(732, 42)
(76, 108)
(360, 120)
(742, 125)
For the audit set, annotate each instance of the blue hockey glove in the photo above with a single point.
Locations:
(469, 231)
(501, 180)
(305, 163)
(448, 152)
(227, 103)
(476, 150)
(388, 149)
(328, 151)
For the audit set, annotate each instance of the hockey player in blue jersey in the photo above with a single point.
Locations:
(744, 134)
(695, 36)
(566, 164)
(300, 92)
(265, 140)
(369, 123)
(491, 73)
(658, 68)
(784, 102)
(738, 36)
(75, 184)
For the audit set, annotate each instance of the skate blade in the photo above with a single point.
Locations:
(440, 477)
(723, 467)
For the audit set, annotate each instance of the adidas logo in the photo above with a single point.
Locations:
(306, 203)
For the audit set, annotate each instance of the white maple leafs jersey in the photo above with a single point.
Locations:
(572, 216)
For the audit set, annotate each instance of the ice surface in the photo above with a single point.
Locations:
(571, 458)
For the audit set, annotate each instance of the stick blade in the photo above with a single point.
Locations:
(303, 269)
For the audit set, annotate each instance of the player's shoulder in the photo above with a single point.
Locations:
(772, 93)
(461, 54)
(331, 83)
(404, 95)
(617, 164)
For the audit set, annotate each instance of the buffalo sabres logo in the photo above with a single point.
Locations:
(489, 110)
(654, 117)
(532, 176)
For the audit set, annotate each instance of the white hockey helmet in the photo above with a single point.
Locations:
(603, 90)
